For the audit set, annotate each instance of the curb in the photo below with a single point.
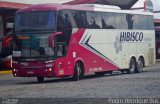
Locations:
(5, 72)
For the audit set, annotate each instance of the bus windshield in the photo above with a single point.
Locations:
(32, 46)
(35, 21)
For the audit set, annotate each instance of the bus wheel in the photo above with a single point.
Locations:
(100, 73)
(132, 66)
(40, 79)
(77, 71)
(140, 65)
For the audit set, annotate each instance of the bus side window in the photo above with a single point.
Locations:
(64, 21)
(90, 20)
(143, 22)
(79, 18)
(151, 22)
(135, 22)
(98, 22)
(84, 18)
(121, 22)
(129, 19)
(60, 21)
(108, 21)
(94, 20)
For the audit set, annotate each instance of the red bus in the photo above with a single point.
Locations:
(53, 40)
(6, 52)
(157, 42)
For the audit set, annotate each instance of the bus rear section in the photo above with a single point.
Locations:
(157, 42)
(59, 41)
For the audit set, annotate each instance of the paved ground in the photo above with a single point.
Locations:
(146, 84)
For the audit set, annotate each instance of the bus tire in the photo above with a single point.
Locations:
(78, 71)
(140, 65)
(100, 73)
(40, 79)
(132, 66)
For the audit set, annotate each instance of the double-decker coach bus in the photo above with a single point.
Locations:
(157, 42)
(53, 40)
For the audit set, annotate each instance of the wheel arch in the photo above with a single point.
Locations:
(132, 68)
(142, 57)
(134, 57)
(81, 61)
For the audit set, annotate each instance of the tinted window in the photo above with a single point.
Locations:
(35, 21)
(129, 18)
(64, 20)
(121, 21)
(157, 36)
(90, 20)
(151, 22)
(135, 22)
(108, 21)
(143, 22)
(98, 22)
(79, 18)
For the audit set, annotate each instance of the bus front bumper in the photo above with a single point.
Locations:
(44, 72)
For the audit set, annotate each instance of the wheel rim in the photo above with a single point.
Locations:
(132, 66)
(140, 65)
(78, 69)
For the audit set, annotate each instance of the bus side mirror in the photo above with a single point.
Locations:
(51, 38)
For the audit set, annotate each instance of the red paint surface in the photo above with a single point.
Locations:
(66, 63)
(6, 40)
(7, 63)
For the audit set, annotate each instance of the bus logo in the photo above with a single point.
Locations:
(131, 36)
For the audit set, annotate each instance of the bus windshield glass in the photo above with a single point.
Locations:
(35, 21)
(32, 46)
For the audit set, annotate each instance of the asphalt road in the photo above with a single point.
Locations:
(142, 85)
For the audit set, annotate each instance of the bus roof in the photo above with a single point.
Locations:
(89, 7)
(43, 7)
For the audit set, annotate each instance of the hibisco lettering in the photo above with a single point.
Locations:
(131, 36)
